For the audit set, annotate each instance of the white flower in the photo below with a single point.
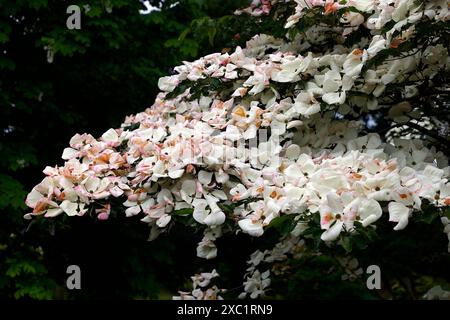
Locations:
(371, 141)
(206, 249)
(139, 202)
(73, 208)
(378, 43)
(369, 211)
(256, 284)
(332, 81)
(94, 187)
(290, 69)
(335, 213)
(206, 211)
(203, 279)
(437, 293)
(354, 62)
(306, 104)
(332, 233)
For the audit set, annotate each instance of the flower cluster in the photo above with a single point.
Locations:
(437, 293)
(272, 129)
(200, 284)
(256, 282)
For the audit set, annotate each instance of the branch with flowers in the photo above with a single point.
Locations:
(272, 136)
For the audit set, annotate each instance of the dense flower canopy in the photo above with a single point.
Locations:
(278, 129)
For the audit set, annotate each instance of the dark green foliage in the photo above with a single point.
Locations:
(98, 75)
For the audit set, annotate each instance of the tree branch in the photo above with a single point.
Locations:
(429, 133)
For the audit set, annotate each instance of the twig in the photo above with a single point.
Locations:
(429, 133)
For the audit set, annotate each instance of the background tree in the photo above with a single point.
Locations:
(53, 80)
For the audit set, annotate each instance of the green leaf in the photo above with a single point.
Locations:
(447, 212)
(13, 193)
(184, 34)
(283, 224)
(211, 34)
(183, 212)
(427, 216)
(346, 243)
(228, 209)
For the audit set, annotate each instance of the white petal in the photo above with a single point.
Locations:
(398, 212)
(220, 194)
(293, 171)
(445, 191)
(188, 187)
(334, 201)
(294, 124)
(164, 195)
(65, 183)
(433, 173)
(28, 216)
(132, 211)
(70, 208)
(221, 176)
(129, 203)
(175, 174)
(69, 153)
(116, 191)
(333, 232)
(232, 133)
(215, 218)
(370, 211)
(53, 212)
(110, 136)
(33, 197)
(334, 98)
(76, 139)
(207, 251)
(253, 229)
(92, 183)
(293, 152)
(250, 133)
(205, 177)
(168, 83)
(200, 213)
(163, 221)
(147, 204)
(50, 171)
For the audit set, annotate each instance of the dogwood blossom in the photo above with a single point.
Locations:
(200, 284)
(266, 151)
